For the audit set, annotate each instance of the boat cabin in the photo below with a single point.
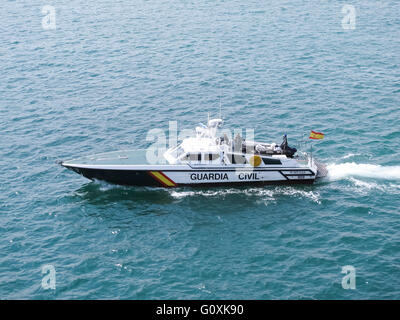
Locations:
(208, 149)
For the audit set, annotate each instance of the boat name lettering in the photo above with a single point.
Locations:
(248, 176)
(209, 176)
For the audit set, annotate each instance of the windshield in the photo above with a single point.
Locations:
(178, 152)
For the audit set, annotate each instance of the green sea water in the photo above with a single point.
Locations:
(113, 70)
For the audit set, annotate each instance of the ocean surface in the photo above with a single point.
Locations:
(113, 70)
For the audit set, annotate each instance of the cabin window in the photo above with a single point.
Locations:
(236, 158)
(271, 161)
(211, 156)
(195, 157)
(192, 157)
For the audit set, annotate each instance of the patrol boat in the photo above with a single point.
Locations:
(203, 160)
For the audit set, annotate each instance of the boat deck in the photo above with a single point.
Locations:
(123, 157)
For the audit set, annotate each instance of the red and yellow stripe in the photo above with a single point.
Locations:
(316, 135)
(161, 177)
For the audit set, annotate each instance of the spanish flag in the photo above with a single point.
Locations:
(316, 135)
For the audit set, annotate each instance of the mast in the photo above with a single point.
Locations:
(220, 105)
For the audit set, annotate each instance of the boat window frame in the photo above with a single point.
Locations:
(211, 156)
(272, 161)
(231, 156)
(187, 157)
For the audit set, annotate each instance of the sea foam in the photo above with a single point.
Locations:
(351, 169)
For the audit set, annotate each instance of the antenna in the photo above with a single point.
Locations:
(220, 116)
(220, 105)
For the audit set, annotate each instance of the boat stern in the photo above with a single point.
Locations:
(317, 167)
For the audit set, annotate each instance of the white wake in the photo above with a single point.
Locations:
(351, 169)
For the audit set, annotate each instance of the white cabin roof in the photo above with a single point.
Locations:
(200, 145)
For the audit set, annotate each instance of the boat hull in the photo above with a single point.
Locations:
(174, 178)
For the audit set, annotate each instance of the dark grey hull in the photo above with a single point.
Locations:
(144, 178)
